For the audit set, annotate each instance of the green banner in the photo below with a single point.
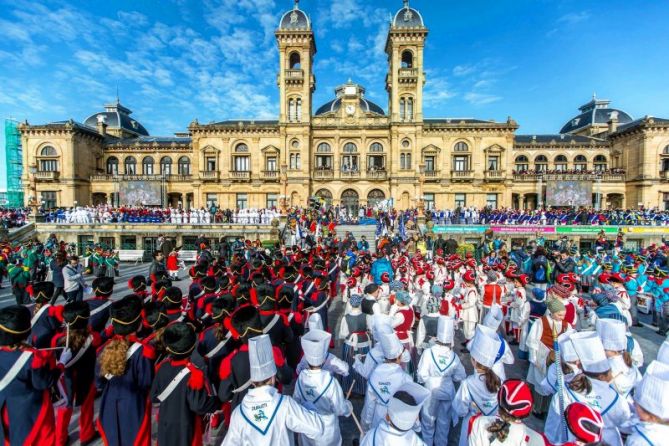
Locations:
(455, 229)
(586, 229)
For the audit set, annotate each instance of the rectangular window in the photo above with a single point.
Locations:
(131, 169)
(491, 201)
(166, 169)
(522, 167)
(242, 201)
(212, 200)
(560, 167)
(128, 242)
(405, 161)
(460, 200)
(541, 167)
(493, 163)
(148, 169)
(324, 162)
(49, 200)
(429, 164)
(429, 201)
(460, 163)
(115, 200)
(271, 201)
(211, 164)
(242, 164)
(48, 166)
(108, 242)
(84, 242)
(349, 163)
(375, 162)
(112, 168)
(271, 164)
(580, 167)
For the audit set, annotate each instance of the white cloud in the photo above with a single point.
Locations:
(574, 17)
(133, 18)
(481, 98)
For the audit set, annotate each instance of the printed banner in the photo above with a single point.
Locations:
(648, 230)
(447, 229)
(524, 229)
(594, 230)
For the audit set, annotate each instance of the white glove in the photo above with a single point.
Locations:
(65, 356)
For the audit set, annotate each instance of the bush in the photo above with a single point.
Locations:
(465, 248)
(269, 244)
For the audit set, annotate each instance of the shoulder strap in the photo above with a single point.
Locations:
(218, 347)
(271, 324)
(650, 443)
(80, 353)
(173, 384)
(615, 399)
(39, 314)
(132, 350)
(101, 308)
(15, 369)
(243, 387)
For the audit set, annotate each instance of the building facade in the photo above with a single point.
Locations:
(349, 151)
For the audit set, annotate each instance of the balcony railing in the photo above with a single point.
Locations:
(377, 174)
(605, 177)
(664, 174)
(462, 174)
(270, 175)
(350, 174)
(47, 175)
(526, 177)
(323, 174)
(294, 75)
(431, 173)
(408, 73)
(116, 177)
(240, 175)
(178, 178)
(494, 175)
(210, 175)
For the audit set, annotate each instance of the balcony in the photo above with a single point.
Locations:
(613, 177)
(178, 178)
(408, 75)
(240, 175)
(432, 175)
(323, 174)
(462, 175)
(210, 175)
(269, 175)
(47, 175)
(294, 76)
(494, 175)
(664, 174)
(526, 177)
(346, 174)
(379, 174)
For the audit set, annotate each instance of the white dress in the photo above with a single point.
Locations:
(381, 386)
(648, 434)
(519, 434)
(470, 313)
(438, 368)
(471, 399)
(320, 391)
(386, 435)
(265, 417)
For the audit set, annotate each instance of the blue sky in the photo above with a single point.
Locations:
(174, 61)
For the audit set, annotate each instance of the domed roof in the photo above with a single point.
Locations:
(408, 17)
(351, 90)
(116, 116)
(597, 111)
(295, 19)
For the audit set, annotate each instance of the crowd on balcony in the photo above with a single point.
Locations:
(540, 171)
(13, 218)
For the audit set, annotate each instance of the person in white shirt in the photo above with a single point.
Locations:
(651, 401)
(266, 417)
(618, 345)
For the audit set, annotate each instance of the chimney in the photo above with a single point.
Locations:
(613, 121)
(102, 125)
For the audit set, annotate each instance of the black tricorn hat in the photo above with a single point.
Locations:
(222, 307)
(137, 283)
(286, 296)
(76, 314)
(155, 315)
(103, 286)
(42, 291)
(14, 324)
(266, 297)
(126, 314)
(179, 339)
(173, 297)
(208, 284)
(244, 323)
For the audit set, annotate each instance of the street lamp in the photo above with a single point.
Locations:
(33, 199)
(421, 180)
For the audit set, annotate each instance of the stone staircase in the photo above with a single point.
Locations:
(369, 231)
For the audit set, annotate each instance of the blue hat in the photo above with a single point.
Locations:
(396, 285)
(355, 300)
(539, 294)
(437, 290)
(403, 297)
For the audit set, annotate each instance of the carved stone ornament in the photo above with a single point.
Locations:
(293, 18)
(408, 15)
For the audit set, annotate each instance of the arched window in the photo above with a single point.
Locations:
(112, 165)
(405, 161)
(324, 194)
(323, 148)
(350, 201)
(541, 163)
(323, 156)
(666, 150)
(184, 165)
(600, 163)
(580, 163)
(241, 161)
(166, 165)
(522, 164)
(374, 197)
(295, 110)
(461, 147)
(147, 165)
(349, 161)
(410, 109)
(407, 59)
(298, 111)
(294, 60)
(130, 166)
(561, 163)
(241, 147)
(295, 161)
(48, 159)
(48, 151)
(349, 147)
(403, 109)
(376, 147)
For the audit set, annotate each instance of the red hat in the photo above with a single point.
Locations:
(515, 397)
(356, 272)
(468, 276)
(419, 271)
(523, 279)
(471, 263)
(385, 278)
(616, 278)
(440, 252)
(584, 422)
(404, 281)
(440, 261)
(469, 255)
(604, 278)
(403, 269)
(510, 274)
(351, 282)
(449, 285)
(429, 275)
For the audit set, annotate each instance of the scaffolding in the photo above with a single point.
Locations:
(14, 164)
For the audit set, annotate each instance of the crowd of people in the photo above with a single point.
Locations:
(542, 171)
(250, 353)
(14, 217)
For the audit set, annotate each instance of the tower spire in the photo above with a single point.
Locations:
(406, 3)
(297, 4)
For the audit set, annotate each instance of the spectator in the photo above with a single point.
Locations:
(73, 280)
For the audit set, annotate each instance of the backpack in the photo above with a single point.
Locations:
(540, 274)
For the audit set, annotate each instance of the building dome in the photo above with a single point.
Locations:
(294, 19)
(596, 112)
(351, 90)
(116, 116)
(408, 17)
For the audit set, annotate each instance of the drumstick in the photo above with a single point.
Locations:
(348, 394)
(357, 423)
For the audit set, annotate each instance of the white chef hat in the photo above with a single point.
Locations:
(484, 348)
(590, 351)
(652, 393)
(445, 329)
(315, 322)
(663, 353)
(405, 405)
(613, 334)
(380, 322)
(261, 358)
(391, 345)
(494, 317)
(567, 348)
(315, 345)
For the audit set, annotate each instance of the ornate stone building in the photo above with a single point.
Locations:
(349, 151)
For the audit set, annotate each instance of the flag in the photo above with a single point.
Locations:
(402, 229)
(298, 230)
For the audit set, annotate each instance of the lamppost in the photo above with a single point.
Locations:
(598, 196)
(284, 183)
(32, 200)
(421, 180)
(540, 192)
